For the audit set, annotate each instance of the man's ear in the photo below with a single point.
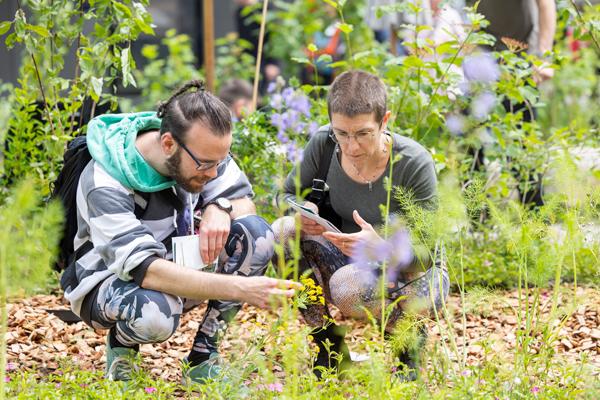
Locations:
(168, 144)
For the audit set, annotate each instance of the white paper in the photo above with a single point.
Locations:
(358, 357)
(321, 221)
(186, 252)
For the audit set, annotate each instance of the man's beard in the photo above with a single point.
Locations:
(173, 165)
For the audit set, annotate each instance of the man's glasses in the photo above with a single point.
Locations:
(360, 137)
(205, 166)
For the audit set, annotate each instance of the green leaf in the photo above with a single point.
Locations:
(40, 30)
(307, 88)
(125, 66)
(325, 58)
(144, 27)
(123, 9)
(413, 61)
(341, 2)
(443, 48)
(312, 48)
(333, 3)
(338, 64)
(294, 82)
(96, 88)
(4, 27)
(346, 28)
(301, 60)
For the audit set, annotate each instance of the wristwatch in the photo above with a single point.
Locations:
(222, 203)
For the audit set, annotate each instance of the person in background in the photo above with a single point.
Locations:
(237, 94)
(528, 21)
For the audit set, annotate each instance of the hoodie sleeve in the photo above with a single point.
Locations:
(118, 236)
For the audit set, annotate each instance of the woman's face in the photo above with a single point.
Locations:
(363, 125)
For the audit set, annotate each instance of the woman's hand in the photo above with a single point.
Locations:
(348, 242)
(308, 225)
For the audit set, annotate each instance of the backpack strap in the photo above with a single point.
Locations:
(318, 187)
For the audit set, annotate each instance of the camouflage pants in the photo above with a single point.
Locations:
(137, 316)
(352, 289)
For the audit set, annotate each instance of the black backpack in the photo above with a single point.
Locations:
(64, 189)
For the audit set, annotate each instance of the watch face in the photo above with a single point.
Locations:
(224, 203)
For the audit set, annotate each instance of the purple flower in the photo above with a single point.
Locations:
(300, 127)
(483, 104)
(486, 263)
(282, 137)
(277, 101)
(58, 385)
(150, 390)
(295, 154)
(402, 253)
(275, 387)
(276, 120)
(259, 386)
(481, 68)
(289, 118)
(312, 128)
(288, 95)
(455, 124)
(300, 104)
(7, 379)
(83, 385)
(535, 389)
(272, 86)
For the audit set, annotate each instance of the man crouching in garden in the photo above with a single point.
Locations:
(133, 197)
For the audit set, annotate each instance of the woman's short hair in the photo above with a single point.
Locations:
(357, 92)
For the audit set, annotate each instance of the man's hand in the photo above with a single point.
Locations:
(308, 225)
(348, 243)
(214, 230)
(264, 292)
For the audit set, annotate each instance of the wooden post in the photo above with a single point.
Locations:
(393, 39)
(208, 18)
(259, 54)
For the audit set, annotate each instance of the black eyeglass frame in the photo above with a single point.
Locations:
(334, 138)
(205, 166)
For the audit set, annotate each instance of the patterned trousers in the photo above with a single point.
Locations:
(353, 289)
(138, 316)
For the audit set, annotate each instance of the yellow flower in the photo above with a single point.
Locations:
(313, 298)
(317, 349)
(288, 340)
(280, 328)
(322, 300)
(310, 337)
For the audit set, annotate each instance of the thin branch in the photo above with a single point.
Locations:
(581, 16)
(43, 95)
(76, 67)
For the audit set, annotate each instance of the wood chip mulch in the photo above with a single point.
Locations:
(38, 339)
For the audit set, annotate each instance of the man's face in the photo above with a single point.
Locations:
(207, 148)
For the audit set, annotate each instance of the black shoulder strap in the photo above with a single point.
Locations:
(318, 186)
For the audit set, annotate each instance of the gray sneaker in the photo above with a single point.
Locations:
(213, 368)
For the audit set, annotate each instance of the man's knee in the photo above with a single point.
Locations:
(156, 320)
(252, 225)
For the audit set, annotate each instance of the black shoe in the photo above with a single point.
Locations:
(333, 336)
(410, 358)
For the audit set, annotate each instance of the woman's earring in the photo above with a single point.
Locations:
(338, 150)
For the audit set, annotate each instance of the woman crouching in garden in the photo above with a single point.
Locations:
(354, 151)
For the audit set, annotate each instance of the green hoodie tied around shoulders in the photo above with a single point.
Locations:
(111, 141)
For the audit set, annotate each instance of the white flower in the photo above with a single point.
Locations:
(153, 326)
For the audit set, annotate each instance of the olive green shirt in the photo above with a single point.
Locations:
(415, 170)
